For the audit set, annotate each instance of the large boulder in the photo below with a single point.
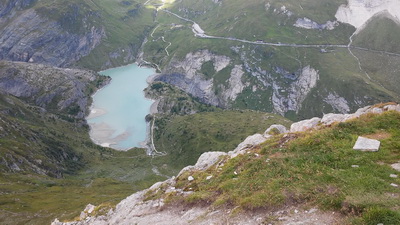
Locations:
(249, 142)
(208, 159)
(275, 129)
(331, 118)
(305, 125)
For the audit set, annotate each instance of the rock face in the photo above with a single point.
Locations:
(236, 85)
(338, 103)
(186, 74)
(297, 93)
(367, 145)
(51, 88)
(28, 36)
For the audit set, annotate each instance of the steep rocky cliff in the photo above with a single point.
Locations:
(57, 90)
(28, 34)
(39, 106)
(76, 34)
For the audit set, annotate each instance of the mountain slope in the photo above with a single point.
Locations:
(313, 176)
(59, 34)
(290, 58)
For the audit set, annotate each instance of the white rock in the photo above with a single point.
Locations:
(190, 178)
(249, 142)
(208, 159)
(280, 128)
(235, 83)
(396, 166)
(304, 125)
(188, 168)
(56, 222)
(377, 110)
(337, 102)
(355, 166)
(393, 175)
(394, 185)
(391, 107)
(331, 118)
(89, 208)
(209, 177)
(367, 145)
(297, 93)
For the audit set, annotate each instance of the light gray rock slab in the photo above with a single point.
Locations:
(367, 145)
(331, 118)
(208, 159)
(392, 108)
(305, 125)
(377, 110)
(396, 166)
(249, 142)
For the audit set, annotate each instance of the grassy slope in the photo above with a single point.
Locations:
(185, 138)
(126, 27)
(91, 174)
(126, 24)
(381, 34)
(100, 175)
(338, 69)
(314, 169)
(253, 20)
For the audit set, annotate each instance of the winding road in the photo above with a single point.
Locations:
(199, 34)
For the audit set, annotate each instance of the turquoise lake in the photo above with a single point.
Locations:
(117, 117)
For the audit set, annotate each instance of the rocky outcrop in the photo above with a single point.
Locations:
(340, 104)
(307, 23)
(186, 75)
(235, 83)
(54, 89)
(292, 99)
(32, 37)
(331, 118)
(305, 125)
(195, 86)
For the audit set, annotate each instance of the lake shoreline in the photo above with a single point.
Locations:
(103, 133)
